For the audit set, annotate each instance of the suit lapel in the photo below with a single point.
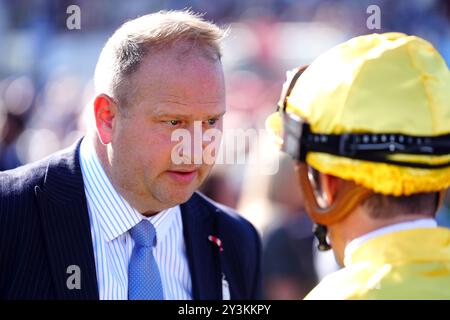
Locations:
(66, 227)
(204, 263)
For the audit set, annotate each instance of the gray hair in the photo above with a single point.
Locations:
(134, 40)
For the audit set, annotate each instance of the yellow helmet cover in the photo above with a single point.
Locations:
(375, 84)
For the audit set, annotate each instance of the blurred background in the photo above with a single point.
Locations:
(46, 75)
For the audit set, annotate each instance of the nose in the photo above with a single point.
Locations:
(197, 144)
(189, 147)
(196, 141)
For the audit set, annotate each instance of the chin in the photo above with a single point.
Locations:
(176, 197)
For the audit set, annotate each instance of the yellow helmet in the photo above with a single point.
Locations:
(374, 110)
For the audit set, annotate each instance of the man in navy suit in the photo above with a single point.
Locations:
(65, 221)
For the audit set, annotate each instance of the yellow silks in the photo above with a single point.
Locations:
(409, 264)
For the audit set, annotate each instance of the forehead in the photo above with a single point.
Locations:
(178, 73)
(174, 86)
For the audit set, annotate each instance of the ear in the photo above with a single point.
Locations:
(105, 110)
(330, 185)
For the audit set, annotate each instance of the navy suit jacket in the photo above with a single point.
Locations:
(45, 228)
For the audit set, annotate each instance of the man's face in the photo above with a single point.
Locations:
(169, 91)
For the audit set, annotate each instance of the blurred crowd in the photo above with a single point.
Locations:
(46, 83)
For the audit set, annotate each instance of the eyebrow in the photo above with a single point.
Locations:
(185, 116)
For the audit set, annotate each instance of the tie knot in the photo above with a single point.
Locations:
(144, 234)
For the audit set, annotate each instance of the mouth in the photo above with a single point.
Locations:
(183, 176)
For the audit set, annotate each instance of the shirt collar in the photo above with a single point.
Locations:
(115, 214)
(163, 221)
(357, 242)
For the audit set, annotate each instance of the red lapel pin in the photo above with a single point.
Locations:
(217, 241)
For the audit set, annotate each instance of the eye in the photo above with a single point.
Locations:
(212, 122)
(174, 122)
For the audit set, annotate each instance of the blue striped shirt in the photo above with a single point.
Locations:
(111, 218)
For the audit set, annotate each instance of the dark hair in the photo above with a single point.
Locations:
(380, 206)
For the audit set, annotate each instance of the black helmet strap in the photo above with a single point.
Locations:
(369, 147)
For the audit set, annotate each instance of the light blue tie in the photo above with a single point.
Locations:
(144, 280)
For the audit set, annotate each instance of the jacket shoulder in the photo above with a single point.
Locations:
(18, 186)
(21, 180)
(18, 205)
(19, 225)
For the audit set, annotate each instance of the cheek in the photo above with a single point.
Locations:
(145, 148)
(142, 148)
(155, 151)
(204, 170)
